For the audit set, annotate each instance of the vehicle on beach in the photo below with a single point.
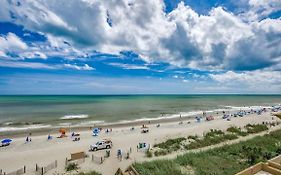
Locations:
(104, 144)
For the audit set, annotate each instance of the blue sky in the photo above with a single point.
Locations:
(140, 47)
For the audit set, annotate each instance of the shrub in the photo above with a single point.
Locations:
(71, 166)
(210, 138)
(89, 173)
(158, 167)
(214, 133)
(148, 153)
(237, 131)
(169, 143)
(160, 152)
(193, 137)
(256, 128)
(230, 136)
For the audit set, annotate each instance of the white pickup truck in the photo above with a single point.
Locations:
(104, 144)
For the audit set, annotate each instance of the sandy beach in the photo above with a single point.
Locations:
(42, 152)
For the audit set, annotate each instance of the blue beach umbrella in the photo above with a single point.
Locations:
(6, 141)
(96, 131)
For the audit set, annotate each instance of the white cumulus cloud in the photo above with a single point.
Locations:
(184, 38)
(11, 43)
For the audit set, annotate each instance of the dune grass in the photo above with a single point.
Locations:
(210, 138)
(256, 128)
(71, 167)
(89, 173)
(237, 131)
(226, 160)
(158, 167)
(171, 144)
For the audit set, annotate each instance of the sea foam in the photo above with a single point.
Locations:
(69, 117)
(22, 128)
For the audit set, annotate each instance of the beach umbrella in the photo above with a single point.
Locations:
(96, 131)
(5, 141)
(62, 130)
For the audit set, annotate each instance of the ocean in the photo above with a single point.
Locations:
(35, 111)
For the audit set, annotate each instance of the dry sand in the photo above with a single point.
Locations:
(43, 152)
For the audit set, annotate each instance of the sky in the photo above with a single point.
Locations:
(140, 46)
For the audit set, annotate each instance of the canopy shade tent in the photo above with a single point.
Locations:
(96, 131)
(63, 133)
(62, 130)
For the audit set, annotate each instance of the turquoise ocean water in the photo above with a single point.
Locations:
(16, 111)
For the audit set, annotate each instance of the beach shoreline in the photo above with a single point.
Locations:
(52, 130)
(133, 123)
(41, 151)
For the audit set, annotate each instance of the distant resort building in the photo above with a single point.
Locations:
(271, 167)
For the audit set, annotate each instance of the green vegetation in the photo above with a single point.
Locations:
(211, 138)
(226, 160)
(193, 137)
(236, 130)
(71, 166)
(171, 144)
(89, 173)
(158, 167)
(148, 153)
(256, 128)
(161, 152)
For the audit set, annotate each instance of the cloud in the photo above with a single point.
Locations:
(11, 43)
(85, 67)
(260, 9)
(218, 40)
(263, 81)
(129, 66)
(30, 65)
(37, 65)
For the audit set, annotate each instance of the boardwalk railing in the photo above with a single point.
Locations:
(16, 172)
(42, 170)
(97, 159)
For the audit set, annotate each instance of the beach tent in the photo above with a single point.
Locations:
(6, 142)
(62, 132)
(96, 131)
(198, 119)
(49, 137)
